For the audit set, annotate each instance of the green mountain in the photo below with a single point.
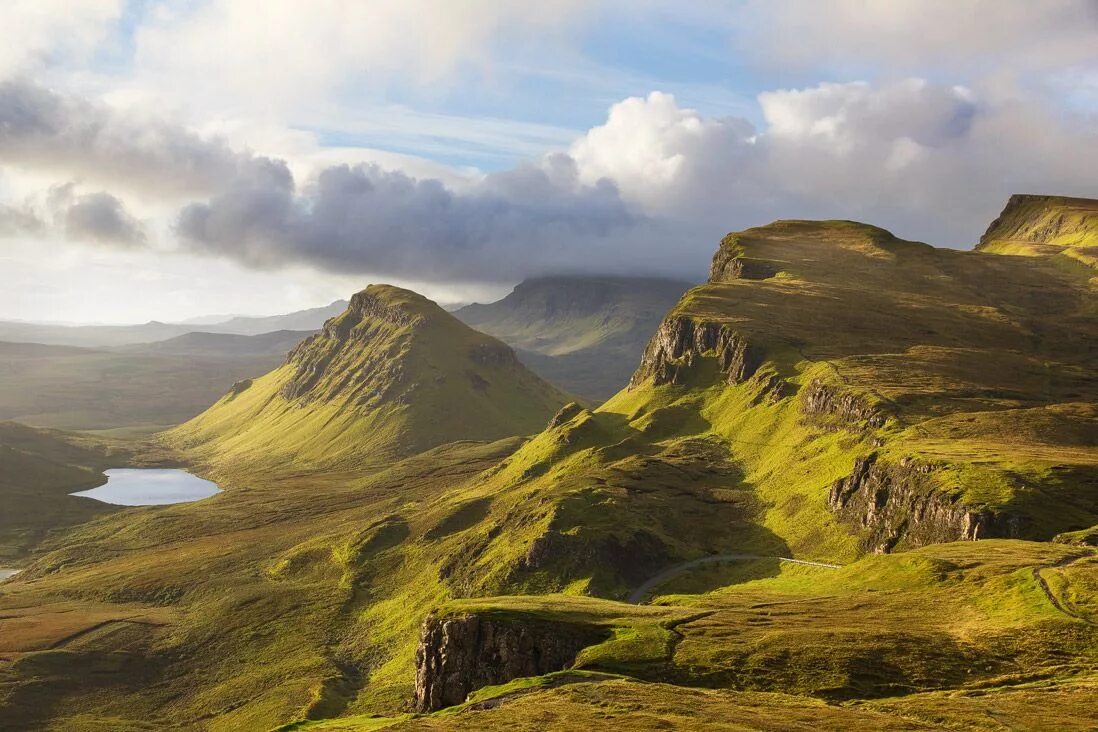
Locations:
(851, 485)
(393, 375)
(1053, 226)
(582, 333)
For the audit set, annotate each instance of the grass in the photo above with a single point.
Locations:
(392, 376)
(296, 595)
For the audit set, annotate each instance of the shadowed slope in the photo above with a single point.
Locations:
(583, 333)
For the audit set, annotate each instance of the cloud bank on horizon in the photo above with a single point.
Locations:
(466, 144)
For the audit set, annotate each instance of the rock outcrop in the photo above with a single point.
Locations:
(460, 654)
(680, 342)
(850, 410)
(897, 506)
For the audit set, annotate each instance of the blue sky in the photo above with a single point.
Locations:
(266, 155)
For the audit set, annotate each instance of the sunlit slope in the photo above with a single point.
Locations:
(1049, 226)
(393, 375)
(831, 391)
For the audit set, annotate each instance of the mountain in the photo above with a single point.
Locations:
(582, 333)
(849, 485)
(1046, 226)
(310, 319)
(832, 390)
(102, 336)
(394, 374)
(137, 387)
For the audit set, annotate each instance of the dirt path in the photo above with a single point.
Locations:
(638, 594)
(1043, 584)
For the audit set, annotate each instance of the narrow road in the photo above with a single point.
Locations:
(638, 594)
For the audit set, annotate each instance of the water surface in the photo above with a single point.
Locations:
(6, 573)
(150, 487)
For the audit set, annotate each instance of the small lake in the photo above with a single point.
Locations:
(150, 487)
(6, 573)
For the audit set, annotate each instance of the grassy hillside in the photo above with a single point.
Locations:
(137, 388)
(582, 333)
(832, 393)
(1051, 226)
(393, 375)
(38, 471)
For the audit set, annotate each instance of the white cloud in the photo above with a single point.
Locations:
(284, 53)
(991, 35)
(39, 31)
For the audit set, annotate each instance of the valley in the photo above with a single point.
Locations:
(850, 482)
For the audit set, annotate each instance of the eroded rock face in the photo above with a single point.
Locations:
(460, 654)
(680, 341)
(822, 400)
(898, 507)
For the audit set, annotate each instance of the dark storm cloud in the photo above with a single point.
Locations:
(102, 218)
(365, 219)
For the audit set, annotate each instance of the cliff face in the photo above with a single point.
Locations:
(897, 507)
(680, 341)
(458, 655)
(1043, 220)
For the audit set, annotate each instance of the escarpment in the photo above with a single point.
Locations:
(680, 342)
(458, 655)
(821, 400)
(897, 506)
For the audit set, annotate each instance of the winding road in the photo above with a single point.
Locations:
(638, 594)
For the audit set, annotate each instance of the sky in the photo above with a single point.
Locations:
(162, 160)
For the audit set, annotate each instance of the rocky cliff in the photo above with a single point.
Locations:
(458, 655)
(680, 341)
(898, 506)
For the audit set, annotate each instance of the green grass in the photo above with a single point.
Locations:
(392, 376)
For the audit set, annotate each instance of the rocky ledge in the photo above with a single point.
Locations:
(850, 410)
(897, 506)
(460, 654)
(680, 341)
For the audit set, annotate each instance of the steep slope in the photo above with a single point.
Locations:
(1046, 226)
(832, 390)
(583, 333)
(393, 375)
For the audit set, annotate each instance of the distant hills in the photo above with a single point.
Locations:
(94, 336)
(583, 333)
(140, 387)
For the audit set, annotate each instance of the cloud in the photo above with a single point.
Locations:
(39, 31)
(98, 218)
(44, 130)
(365, 219)
(19, 221)
(990, 35)
(334, 41)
